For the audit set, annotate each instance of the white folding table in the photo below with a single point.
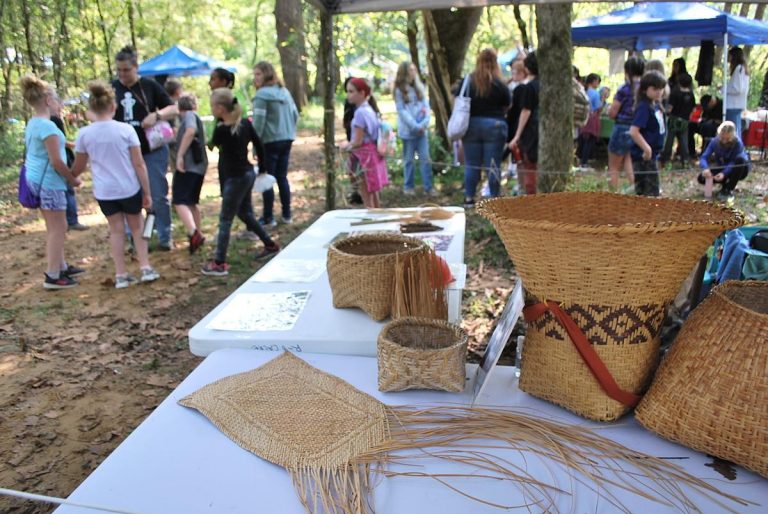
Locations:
(321, 328)
(178, 462)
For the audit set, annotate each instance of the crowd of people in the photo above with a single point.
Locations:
(130, 146)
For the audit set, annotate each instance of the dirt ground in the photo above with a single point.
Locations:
(81, 368)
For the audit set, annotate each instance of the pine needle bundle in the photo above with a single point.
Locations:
(335, 441)
(420, 282)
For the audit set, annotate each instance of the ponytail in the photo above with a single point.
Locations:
(223, 96)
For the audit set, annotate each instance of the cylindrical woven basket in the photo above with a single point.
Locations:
(421, 353)
(711, 391)
(361, 270)
(612, 263)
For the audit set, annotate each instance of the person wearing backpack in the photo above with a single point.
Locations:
(274, 117)
(413, 126)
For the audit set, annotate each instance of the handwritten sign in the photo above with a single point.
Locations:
(499, 338)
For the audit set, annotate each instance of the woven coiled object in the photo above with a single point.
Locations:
(711, 391)
(420, 353)
(361, 270)
(612, 262)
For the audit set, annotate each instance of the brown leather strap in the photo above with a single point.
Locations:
(588, 354)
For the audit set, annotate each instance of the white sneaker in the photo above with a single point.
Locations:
(121, 282)
(149, 275)
(286, 221)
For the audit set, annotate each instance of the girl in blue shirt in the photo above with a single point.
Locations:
(48, 175)
(647, 132)
(413, 126)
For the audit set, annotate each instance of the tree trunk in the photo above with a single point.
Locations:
(759, 13)
(290, 44)
(328, 74)
(521, 27)
(27, 16)
(105, 37)
(413, 40)
(132, 23)
(553, 26)
(448, 34)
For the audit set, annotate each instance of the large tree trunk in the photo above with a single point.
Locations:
(413, 40)
(448, 34)
(759, 13)
(521, 27)
(27, 22)
(328, 76)
(290, 44)
(553, 25)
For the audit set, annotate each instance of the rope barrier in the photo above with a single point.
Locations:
(61, 501)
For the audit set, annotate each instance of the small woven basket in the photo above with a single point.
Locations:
(420, 353)
(361, 270)
(711, 391)
(612, 263)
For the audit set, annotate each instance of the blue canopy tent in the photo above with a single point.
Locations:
(180, 60)
(651, 25)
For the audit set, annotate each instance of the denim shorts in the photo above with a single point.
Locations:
(620, 142)
(50, 199)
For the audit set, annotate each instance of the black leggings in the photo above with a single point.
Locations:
(738, 172)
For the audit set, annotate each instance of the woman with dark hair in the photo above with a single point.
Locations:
(526, 138)
(221, 77)
(484, 140)
(142, 103)
(678, 68)
(738, 87)
(622, 110)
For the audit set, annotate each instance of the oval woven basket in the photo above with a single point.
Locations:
(612, 262)
(421, 353)
(711, 391)
(361, 270)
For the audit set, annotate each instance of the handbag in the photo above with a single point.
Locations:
(28, 197)
(159, 134)
(459, 120)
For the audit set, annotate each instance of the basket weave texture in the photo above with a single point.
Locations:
(711, 390)
(421, 353)
(361, 270)
(613, 262)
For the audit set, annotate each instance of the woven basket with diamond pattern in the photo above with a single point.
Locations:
(361, 270)
(610, 263)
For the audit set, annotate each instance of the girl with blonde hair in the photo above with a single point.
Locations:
(413, 126)
(47, 175)
(232, 136)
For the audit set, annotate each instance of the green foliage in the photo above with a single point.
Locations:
(11, 146)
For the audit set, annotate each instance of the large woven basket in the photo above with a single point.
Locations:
(421, 353)
(711, 391)
(612, 263)
(361, 270)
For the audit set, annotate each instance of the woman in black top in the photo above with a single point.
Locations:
(484, 141)
(232, 136)
(526, 139)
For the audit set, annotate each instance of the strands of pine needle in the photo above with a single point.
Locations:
(473, 436)
(419, 288)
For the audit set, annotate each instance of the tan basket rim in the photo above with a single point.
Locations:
(730, 285)
(460, 333)
(728, 218)
(376, 237)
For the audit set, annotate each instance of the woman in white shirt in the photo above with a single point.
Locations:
(738, 88)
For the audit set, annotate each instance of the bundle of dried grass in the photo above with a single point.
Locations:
(420, 281)
(334, 440)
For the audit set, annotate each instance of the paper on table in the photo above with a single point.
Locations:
(438, 242)
(291, 270)
(258, 312)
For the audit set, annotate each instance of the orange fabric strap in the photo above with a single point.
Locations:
(588, 354)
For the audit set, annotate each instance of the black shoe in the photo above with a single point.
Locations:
(72, 271)
(354, 198)
(267, 251)
(469, 203)
(165, 247)
(63, 282)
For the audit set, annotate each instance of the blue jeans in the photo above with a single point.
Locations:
(71, 206)
(235, 196)
(483, 148)
(157, 165)
(734, 115)
(276, 155)
(417, 145)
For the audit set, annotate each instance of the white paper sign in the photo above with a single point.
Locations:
(499, 338)
(291, 270)
(257, 312)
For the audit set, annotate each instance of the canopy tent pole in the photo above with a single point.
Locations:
(329, 117)
(725, 73)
